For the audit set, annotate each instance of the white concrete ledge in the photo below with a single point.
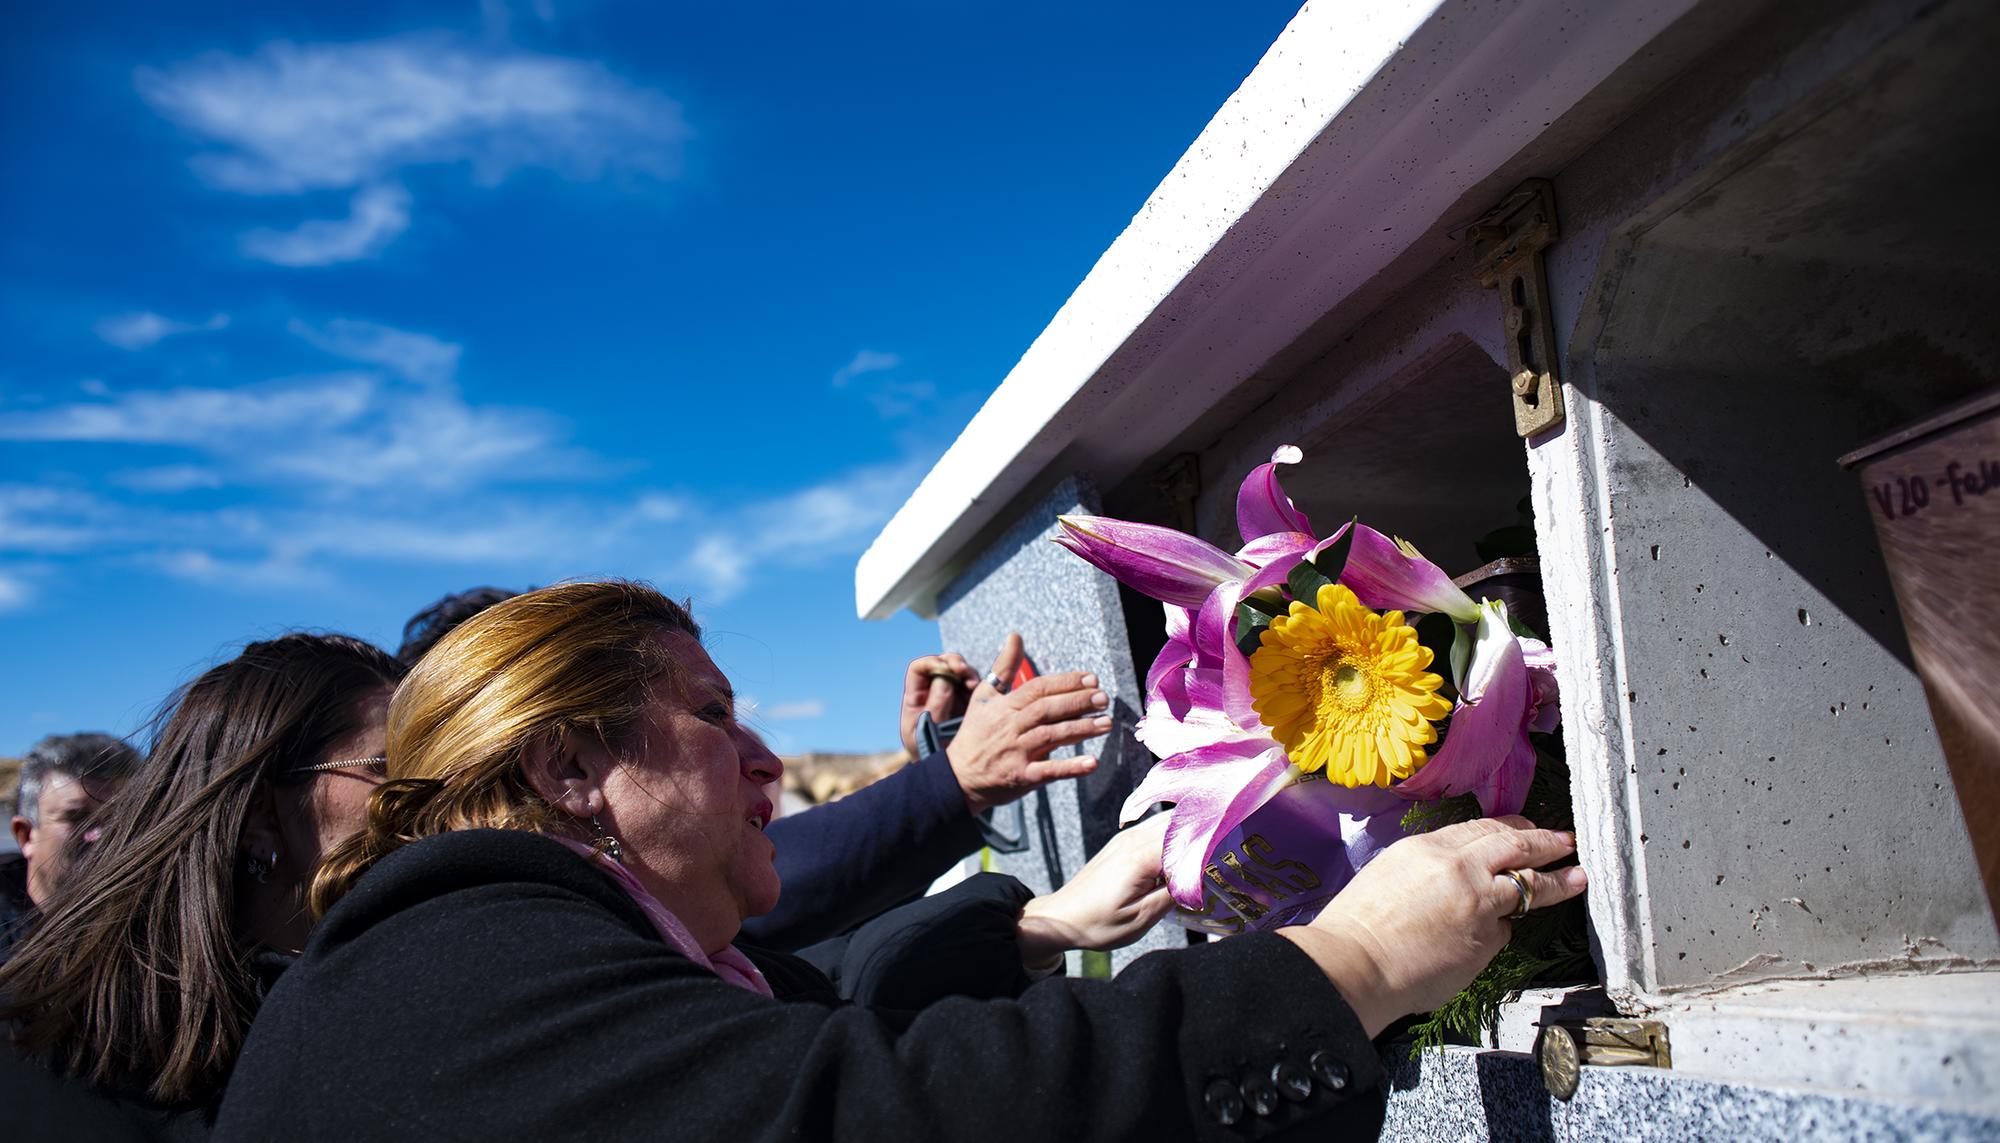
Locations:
(1931, 1038)
(1345, 146)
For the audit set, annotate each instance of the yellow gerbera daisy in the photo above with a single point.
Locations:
(1344, 688)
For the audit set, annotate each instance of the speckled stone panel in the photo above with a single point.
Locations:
(1793, 812)
(1069, 618)
(1467, 1094)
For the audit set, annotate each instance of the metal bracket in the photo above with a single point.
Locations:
(1600, 1041)
(1507, 245)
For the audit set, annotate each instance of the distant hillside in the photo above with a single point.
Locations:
(816, 778)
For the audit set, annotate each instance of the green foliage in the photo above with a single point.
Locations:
(1250, 628)
(1549, 945)
(1305, 581)
(1523, 630)
(1260, 606)
(1332, 562)
(1423, 817)
(1437, 632)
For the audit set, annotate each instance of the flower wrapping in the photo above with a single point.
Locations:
(1297, 711)
(1288, 858)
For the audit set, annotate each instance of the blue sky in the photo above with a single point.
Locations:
(314, 313)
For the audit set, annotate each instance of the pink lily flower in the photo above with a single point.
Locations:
(1544, 697)
(1390, 575)
(1262, 508)
(1213, 788)
(1165, 564)
(1486, 751)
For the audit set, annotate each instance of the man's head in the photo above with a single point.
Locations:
(64, 779)
(438, 620)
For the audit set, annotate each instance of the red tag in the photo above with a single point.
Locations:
(1022, 673)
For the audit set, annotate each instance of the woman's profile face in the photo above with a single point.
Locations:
(688, 805)
(335, 802)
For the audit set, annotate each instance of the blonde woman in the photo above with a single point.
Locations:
(533, 939)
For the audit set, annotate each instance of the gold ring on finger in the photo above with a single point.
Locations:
(1525, 888)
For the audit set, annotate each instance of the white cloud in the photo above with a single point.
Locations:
(375, 216)
(865, 362)
(834, 518)
(46, 520)
(658, 508)
(198, 416)
(141, 330)
(720, 563)
(198, 566)
(792, 711)
(335, 433)
(14, 592)
(415, 357)
(432, 442)
(296, 117)
(891, 399)
(894, 400)
(168, 478)
(301, 536)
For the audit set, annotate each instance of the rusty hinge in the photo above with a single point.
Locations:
(1600, 1041)
(1507, 245)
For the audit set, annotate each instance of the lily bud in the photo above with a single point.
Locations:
(1167, 565)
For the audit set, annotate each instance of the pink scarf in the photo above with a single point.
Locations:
(728, 964)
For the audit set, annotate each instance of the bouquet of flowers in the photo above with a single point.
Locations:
(1299, 710)
(1301, 661)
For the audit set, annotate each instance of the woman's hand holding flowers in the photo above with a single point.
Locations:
(1419, 922)
(1110, 903)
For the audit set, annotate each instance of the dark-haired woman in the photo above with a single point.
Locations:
(533, 939)
(131, 999)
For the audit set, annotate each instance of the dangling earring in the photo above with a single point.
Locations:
(605, 843)
(260, 869)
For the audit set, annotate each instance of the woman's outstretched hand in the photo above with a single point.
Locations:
(1002, 748)
(1420, 921)
(1110, 903)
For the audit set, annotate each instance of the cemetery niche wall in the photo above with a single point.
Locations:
(1773, 247)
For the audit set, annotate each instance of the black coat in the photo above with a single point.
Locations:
(957, 943)
(847, 861)
(961, 942)
(37, 1103)
(491, 985)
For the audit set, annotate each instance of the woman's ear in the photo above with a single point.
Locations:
(262, 836)
(568, 771)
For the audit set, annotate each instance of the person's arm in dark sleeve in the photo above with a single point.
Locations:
(961, 942)
(844, 862)
(528, 1011)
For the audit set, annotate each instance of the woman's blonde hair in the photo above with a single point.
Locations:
(573, 659)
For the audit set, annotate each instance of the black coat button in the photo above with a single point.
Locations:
(1330, 1069)
(1292, 1080)
(1224, 1103)
(1260, 1093)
